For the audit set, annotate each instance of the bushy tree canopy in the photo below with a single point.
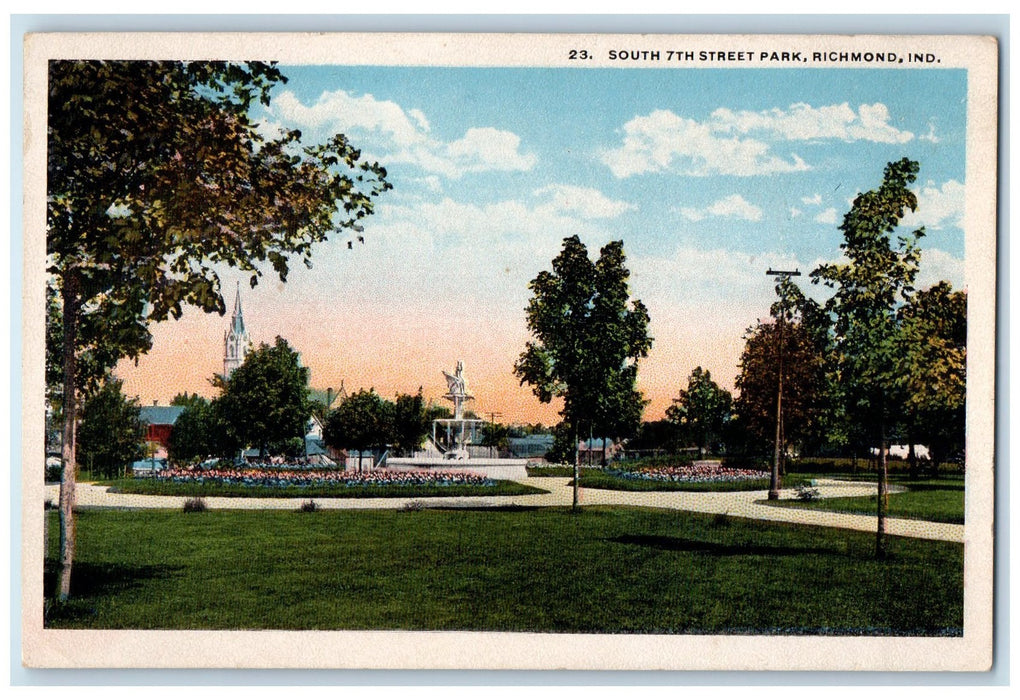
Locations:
(156, 173)
(361, 422)
(701, 411)
(266, 401)
(588, 339)
(877, 279)
(110, 435)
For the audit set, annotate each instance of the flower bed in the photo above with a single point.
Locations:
(303, 478)
(692, 473)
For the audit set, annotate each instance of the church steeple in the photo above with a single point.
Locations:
(235, 339)
(237, 321)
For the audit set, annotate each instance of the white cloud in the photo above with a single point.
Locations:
(731, 207)
(802, 122)
(829, 216)
(397, 135)
(664, 141)
(586, 202)
(938, 207)
(740, 142)
(795, 212)
(937, 265)
(931, 137)
(488, 149)
(815, 200)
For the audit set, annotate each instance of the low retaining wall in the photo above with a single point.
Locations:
(492, 468)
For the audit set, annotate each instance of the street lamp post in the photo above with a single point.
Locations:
(781, 275)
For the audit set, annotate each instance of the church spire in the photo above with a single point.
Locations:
(237, 321)
(235, 339)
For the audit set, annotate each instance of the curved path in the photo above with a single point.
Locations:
(742, 504)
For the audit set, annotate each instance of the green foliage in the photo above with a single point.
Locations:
(931, 366)
(804, 385)
(869, 288)
(656, 435)
(411, 422)
(877, 279)
(604, 570)
(265, 401)
(701, 411)
(161, 487)
(195, 505)
(361, 422)
(588, 339)
(156, 174)
(110, 435)
(496, 435)
(933, 503)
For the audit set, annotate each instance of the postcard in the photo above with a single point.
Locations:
(509, 351)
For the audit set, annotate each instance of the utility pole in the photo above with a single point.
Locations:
(781, 276)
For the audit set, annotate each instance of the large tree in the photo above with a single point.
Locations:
(363, 421)
(588, 339)
(804, 383)
(201, 431)
(931, 366)
(156, 172)
(265, 401)
(410, 422)
(701, 411)
(110, 435)
(870, 287)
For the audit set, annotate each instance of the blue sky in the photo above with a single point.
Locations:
(709, 176)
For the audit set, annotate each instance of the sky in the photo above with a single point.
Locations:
(709, 176)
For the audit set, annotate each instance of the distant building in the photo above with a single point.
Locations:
(235, 339)
(159, 424)
(592, 451)
(530, 445)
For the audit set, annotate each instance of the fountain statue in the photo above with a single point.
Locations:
(451, 438)
(459, 430)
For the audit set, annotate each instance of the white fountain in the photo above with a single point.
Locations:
(452, 438)
(459, 431)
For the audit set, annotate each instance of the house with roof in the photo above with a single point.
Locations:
(159, 424)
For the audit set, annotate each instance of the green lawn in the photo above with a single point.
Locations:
(938, 500)
(158, 487)
(542, 570)
(612, 482)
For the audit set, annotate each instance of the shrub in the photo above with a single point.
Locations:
(195, 505)
(805, 492)
(309, 507)
(54, 472)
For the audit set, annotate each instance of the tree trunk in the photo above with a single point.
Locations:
(577, 471)
(883, 489)
(68, 451)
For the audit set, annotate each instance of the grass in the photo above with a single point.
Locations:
(938, 500)
(560, 470)
(601, 480)
(610, 570)
(157, 487)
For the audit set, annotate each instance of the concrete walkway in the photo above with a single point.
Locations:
(741, 504)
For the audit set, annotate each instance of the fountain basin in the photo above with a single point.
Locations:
(512, 469)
